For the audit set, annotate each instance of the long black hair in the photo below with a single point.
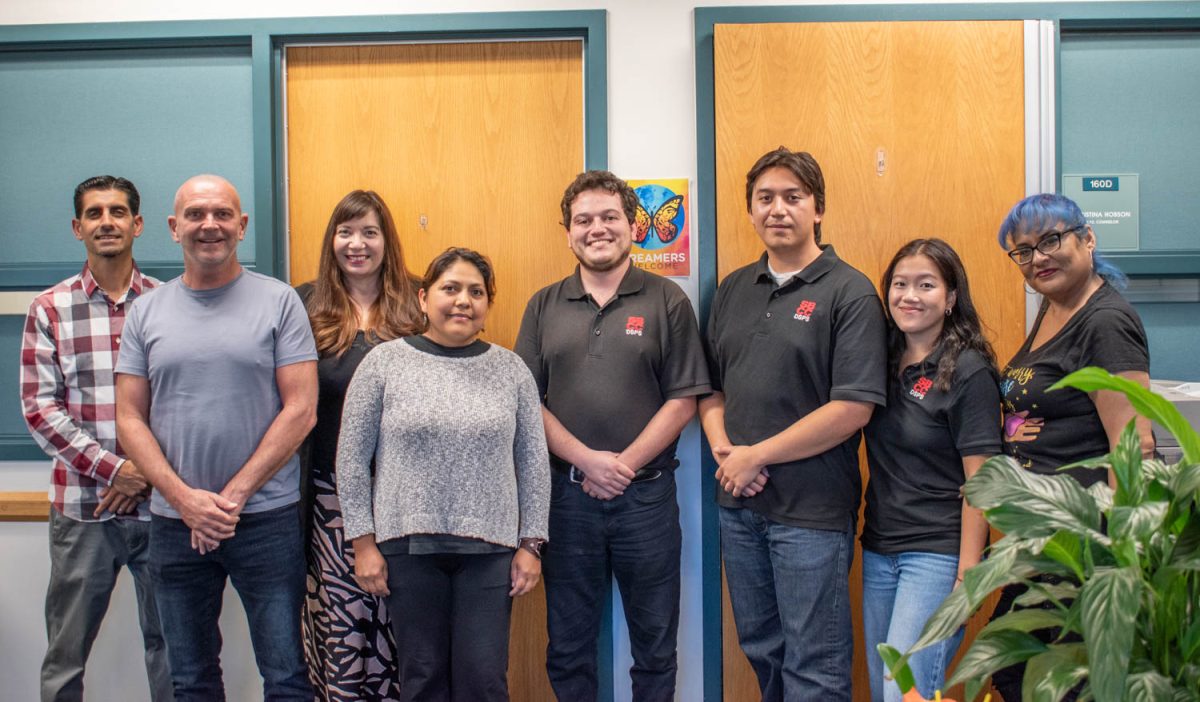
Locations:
(961, 330)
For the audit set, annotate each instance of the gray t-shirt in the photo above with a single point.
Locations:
(211, 356)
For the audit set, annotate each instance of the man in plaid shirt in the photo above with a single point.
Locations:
(100, 516)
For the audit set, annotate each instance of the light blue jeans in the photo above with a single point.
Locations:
(900, 592)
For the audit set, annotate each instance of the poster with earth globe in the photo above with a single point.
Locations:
(661, 235)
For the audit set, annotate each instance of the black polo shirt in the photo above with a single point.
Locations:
(915, 449)
(779, 353)
(605, 371)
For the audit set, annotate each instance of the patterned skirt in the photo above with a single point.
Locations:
(348, 640)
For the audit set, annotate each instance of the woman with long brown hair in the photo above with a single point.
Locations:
(363, 295)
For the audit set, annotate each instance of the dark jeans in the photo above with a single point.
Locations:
(790, 595)
(450, 615)
(635, 538)
(85, 559)
(265, 562)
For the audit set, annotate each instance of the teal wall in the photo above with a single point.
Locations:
(1130, 103)
(1174, 332)
(155, 116)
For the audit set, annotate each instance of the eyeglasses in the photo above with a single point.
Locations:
(1048, 244)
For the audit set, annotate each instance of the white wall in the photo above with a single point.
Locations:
(652, 133)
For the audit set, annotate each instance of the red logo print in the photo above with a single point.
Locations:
(635, 325)
(921, 387)
(805, 310)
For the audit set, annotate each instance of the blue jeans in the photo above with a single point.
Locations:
(900, 592)
(265, 562)
(636, 539)
(789, 588)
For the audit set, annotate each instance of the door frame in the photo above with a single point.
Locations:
(1082, 16)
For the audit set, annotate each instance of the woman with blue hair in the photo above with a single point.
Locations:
(1083, 321)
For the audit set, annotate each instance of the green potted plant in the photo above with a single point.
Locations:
(1127, 563)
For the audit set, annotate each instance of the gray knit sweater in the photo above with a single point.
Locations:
(458, 443)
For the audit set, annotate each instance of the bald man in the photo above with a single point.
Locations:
(216, 388)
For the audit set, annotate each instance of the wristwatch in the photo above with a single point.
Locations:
(533, 546)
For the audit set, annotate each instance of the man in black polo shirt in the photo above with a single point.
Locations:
(798, 362)
(618, 359)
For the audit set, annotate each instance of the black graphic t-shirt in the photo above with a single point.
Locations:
(915, 448)
(1044, 430)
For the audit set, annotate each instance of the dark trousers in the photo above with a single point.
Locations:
(450, 615)
(636, 538)
(85, 559)
(265, 562)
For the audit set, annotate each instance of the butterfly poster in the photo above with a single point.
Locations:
(661, 241)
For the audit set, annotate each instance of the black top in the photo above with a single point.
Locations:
(915, 449)
(333, 377)
(605, 371)
(779, 352)
(1046, 430)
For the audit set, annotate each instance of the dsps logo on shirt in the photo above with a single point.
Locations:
(634, 326)
(921, 387)
(805, 310)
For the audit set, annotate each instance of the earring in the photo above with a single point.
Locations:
(949, 310)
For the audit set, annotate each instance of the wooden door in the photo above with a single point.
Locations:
(470, 144)
(941, 102)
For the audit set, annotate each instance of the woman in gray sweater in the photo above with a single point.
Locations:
(448, 521)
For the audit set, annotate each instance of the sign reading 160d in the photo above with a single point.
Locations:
(1110, 204)
(1110, 184)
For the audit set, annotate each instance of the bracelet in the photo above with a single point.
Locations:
(533, 546)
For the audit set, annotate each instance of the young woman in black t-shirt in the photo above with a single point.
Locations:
(1083, 321)
(941, 422)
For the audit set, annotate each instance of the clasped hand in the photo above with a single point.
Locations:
(740, 472)
(606, 475)
(127, 490)
(211, 517)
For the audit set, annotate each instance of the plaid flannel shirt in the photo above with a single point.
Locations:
(68, 388)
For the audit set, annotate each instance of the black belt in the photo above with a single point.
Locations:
(576, 476)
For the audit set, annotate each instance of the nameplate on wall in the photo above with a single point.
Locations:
(1110, 204)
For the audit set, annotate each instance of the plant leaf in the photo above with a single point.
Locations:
(1189, 643)
(1126, 462)
(1186, 553)
(1159, 472)
(1145, 402)
(1148, 686)
(1110, 600)
(1026, 620)
(1102, 494)
(1067, 549)
(1049, 675)
(1190, 676)
(1136, 523)
(1186, 482)
(1042, 592)
(1096, 462)
(991, 652)
(897, 666)
(1020, 502)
